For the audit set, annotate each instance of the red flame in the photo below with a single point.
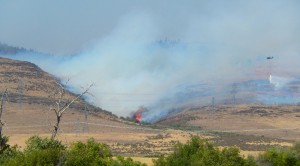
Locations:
(138, 116)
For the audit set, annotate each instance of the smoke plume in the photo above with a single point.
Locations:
(166, 64)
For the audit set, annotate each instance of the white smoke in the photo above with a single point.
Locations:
(279, 82)
(130, 67)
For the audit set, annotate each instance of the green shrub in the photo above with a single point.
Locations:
(280, 157)
(49, 157)
(3, 143)
(39, 151)
(231, 156)
(121, 161)
(38, 143)
(7, 152)
(90, 153)
(200, 152)
(296, 147)
(51, 152)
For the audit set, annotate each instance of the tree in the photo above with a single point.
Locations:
(3, 139)
(89, 153)
(62, 105)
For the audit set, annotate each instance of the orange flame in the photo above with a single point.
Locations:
(138, 116)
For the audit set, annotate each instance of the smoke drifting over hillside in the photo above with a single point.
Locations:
(167, 64)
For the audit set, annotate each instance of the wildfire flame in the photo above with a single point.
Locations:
(138, 116)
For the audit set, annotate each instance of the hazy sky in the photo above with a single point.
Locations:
(221, 41)
(67, 26)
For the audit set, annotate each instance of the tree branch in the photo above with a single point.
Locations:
(60, 110)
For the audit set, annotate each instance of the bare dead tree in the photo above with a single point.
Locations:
(62, 105)
(3, 140)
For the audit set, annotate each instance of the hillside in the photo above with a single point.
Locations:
(275, 121)
(28, 84)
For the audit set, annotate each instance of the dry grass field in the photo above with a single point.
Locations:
(274, 121)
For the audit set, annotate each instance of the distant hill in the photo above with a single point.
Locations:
(9, 50)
